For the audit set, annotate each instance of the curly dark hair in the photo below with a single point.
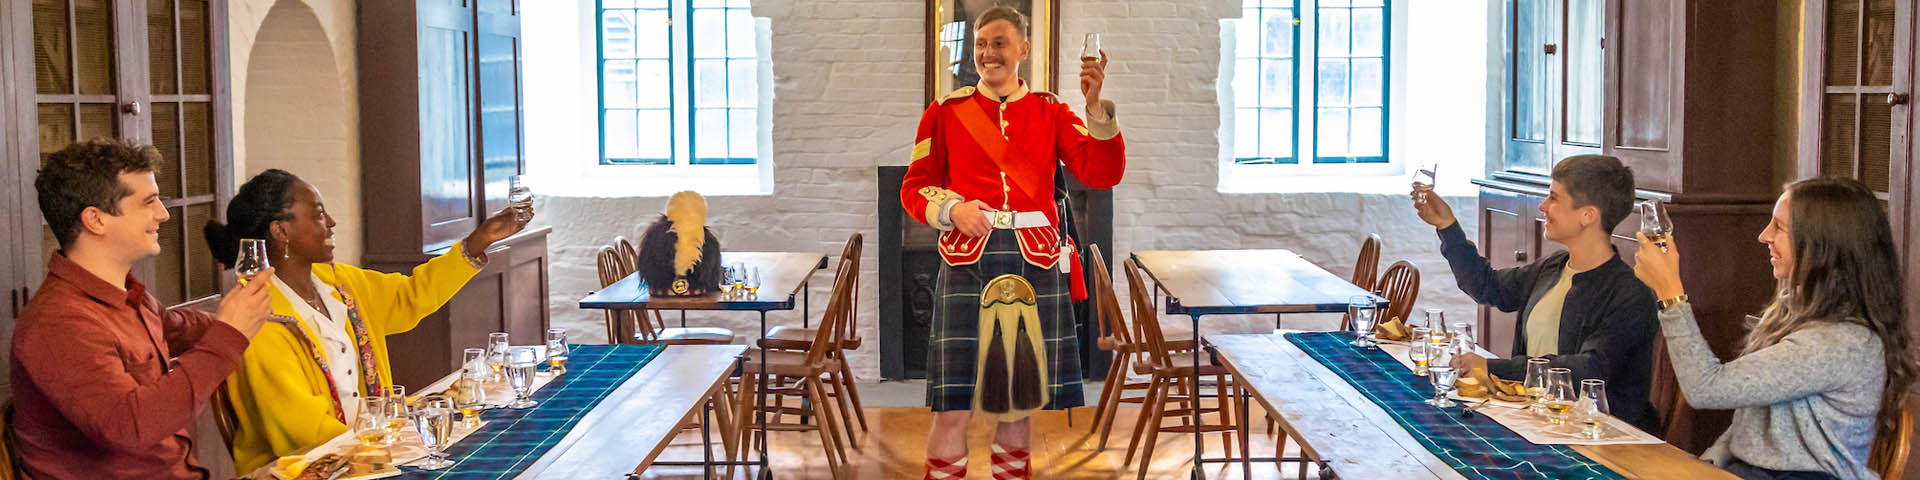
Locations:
(264, 199)
(87, 174)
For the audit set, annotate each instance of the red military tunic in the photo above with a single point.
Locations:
(971, 145)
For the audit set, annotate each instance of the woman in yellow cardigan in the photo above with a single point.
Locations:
(300, 383)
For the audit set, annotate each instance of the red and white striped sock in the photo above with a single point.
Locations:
(946, 469)
(1011, 463)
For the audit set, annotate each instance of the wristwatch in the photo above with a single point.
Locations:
(1667, 303)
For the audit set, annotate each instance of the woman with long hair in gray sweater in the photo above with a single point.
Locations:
(1826, 369)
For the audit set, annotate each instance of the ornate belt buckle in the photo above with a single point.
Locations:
(1003, 220)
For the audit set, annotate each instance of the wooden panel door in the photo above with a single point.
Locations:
(1644, 77)
(1529, 89)
(1501, 222)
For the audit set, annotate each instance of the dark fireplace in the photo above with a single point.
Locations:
(908, 264)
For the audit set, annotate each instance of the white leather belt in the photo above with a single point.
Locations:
(1015, 220)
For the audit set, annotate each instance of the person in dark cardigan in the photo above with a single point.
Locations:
(1581, 308)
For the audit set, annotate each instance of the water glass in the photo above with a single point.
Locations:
(434, 422)
(1560, 395)
(1441, 374)
(520, 198)
(1360, 313)
(1417, 349)
(557, 350)
(520, 364)
(1536, 385)
(1592, 411)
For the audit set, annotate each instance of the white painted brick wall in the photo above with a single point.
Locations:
(848, 96)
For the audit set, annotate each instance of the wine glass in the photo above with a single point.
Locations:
(1560, 395)
(497, 354)
(739, 276)
(520, 198)
(252, 259)
(1654, 223)
(520, 363)
(1592, 411)
(557, 350)
(1424, 176)
(397, 409)
(1360, 313)
(1417, 350)
(753, 281)
(1090, 50)
(473, 377)
(370, 425)
(727, 274)
(434, 422)
(1536, 384)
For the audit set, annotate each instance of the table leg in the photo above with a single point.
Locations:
(706, 439)
(1195, 407)
(761, 409)
(806, 297)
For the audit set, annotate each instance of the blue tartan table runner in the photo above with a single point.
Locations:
(513, 439)
(1475, 446)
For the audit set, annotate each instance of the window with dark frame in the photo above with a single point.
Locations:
(1347, 95)
(678, 95)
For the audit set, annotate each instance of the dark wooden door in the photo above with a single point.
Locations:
(1501, 227)
(498, 38)
(447, 122)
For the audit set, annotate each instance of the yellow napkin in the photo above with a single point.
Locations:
(1393, 330)
(1475, 384)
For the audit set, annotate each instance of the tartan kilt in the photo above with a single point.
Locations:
(953, 338)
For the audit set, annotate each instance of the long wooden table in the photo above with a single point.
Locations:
(645, 412)
(783, 277)
(1338, 426)
(1226, 282)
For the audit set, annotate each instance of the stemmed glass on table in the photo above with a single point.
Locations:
(434, 422)
(1560, 395)
(1361, 312)
(497, 354)
(473, 376)
(557, 350)
(1441, 374)
(1592, 410)
(1536, 385)
(520, 365)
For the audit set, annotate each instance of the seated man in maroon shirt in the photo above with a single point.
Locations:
(104, 384)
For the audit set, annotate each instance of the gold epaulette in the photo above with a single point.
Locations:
(962, 92)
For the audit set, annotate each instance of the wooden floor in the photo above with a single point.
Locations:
(896, 446)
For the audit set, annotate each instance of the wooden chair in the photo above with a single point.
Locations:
(629, 256)
(808, 367)
(800, 338)
(1400, 285)
(1368, 263)
(1171, 370)
(1118, 338)
(1889, 455)
(647, 325)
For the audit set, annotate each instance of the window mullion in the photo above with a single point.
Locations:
(682, 66)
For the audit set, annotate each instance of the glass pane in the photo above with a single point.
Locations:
(709, 33)
(619, 88)
(621, 133)
(98, 120)
(709, 83)
(1334, 32)
(1246, 133)
(1529, 86)
(1369, 82)
(93, 25)
(740, 3)
(651, 34)
(1246, 83)
(1879, 37)
(1367, 140)
(201, 269)
(195, 43)
(655, 136)
(743, 82)
(1837, 143)
(1586, 61)
(1332, 127)
(169, 278)
(1369, 3)
(1369, 32)
(1332, 88)
(709, 3)
(1276, 33)
(617, 35)
(160, 48)
(654, 85)
(1276, 83)
(56, 128)
(197, 152)
(1276, 132)
(743, 133)
(166, 138)
(709, 133)
(740, 33)
(616, 3)
(1876, 132)
(1334, 3)
(1247, 34)
(1843, 42)
(52, 65)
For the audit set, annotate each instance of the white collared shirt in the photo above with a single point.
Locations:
(343, 355)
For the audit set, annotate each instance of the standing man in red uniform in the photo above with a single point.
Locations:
(982, 172)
